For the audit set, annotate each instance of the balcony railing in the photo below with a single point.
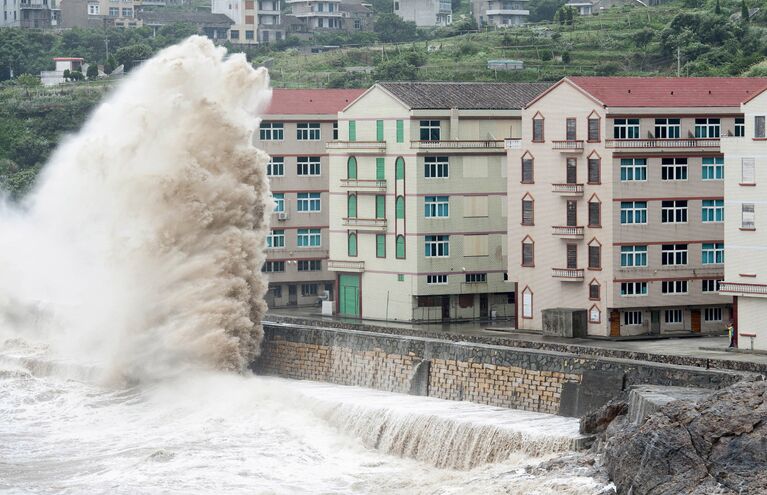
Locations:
(346, 266)
(568, 274)
(568, 145)
(568, 232)
(513, 144)
(364, 184)
(568, 189)
(458, 144)
(737, 288)
(634, 144)
(357, 145)
(374, 223)
(299, 252)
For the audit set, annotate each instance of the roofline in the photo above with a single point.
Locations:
(371, 88)
(559, 83)
(754, 95)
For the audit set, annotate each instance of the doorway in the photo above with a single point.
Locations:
(655, 322)
(445, 307)
(292, 295)
(483, 306)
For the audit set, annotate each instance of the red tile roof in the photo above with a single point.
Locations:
(311, 101)
(671, 91)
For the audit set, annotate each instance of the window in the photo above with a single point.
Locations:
(351, 168)
(430, 130)
(276, 166)
(633, 255)
(380, 245)
(249, 35)
(279, 202)
(437, 246)
(674, 287)
(712, 314)
(626, 128)
(633, 169)
(633, 288)
(712, 253)
(593, 134)
(308, 290)
(706, 128)
(710, 285)
(759, 126)
(400, 247)
(436, 279)
(308, 165)
(748, 171)
(594, 170)
(114, 12)
(309, 265)
(379, 131)
(476, 278)
(528, 252)
(380, 206)
(740, 126)
(673, 316)
(399, 207)
(352, 130)
(673, 211)
(595, 257)
(351, 244)
(571, 129)
(380, 168)
(538, 130)
(309, 238)
(528, 212)
(351, 206)
(436, 167)
(673, 254)
(335, 131)
(400, 277)
(271, 131)
(667, 128)
(748, 216)
(399, 168)
(527, 170)
(276, 291)
(595, 316)
(713, 210)
(400, 131)
(595, 214)
(632, 317)
(571, 255)
(273, 267)
(275, 239)
(674, 168)
(308, 202)
(308, 131)
(713, 168)
(594, 290)
(436, 206)
(633, 212)
(93, 9)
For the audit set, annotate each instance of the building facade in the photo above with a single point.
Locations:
(745, 203)
(32, 14)
(255, 21)
(500, 13)
(294, 131)
(616, 202)
(425, 13)
(330, 15)
(417, 195)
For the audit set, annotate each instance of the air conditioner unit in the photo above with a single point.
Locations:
(325, 295)
(282, 216)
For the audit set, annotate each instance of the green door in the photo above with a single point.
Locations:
(349, 294)
(380, 169)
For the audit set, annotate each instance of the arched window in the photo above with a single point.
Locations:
(352, 244)
(351, 206)
(528, 251)
(401, 246)
(594, 290)
(595, 315)
(399, 168)
(527, 303)
(400, 207)
(351, 168)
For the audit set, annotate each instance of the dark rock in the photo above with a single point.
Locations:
(598, 421)
(715, 446)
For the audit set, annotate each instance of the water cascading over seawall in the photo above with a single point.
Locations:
(140, 247)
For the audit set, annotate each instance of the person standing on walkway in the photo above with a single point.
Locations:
(731, 333)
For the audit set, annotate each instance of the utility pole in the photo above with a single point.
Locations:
(678, 62)
(106, 42)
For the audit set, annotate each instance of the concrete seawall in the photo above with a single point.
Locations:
(556, 382)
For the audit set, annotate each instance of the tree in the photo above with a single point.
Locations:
(744, 11)
(76, 75)
(132, 55)
(110, 65)
(67, 74)
(29, 81)
(544, 10)
(392, 28)
(396, 70)
(643, 37)
(92, 72)
(566, 58)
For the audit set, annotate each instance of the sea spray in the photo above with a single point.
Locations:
(140, 247)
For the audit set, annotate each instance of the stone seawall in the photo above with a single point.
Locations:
(529, 379)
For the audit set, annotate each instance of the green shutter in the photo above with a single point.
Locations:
(379, 131)
(399, 167)
(352, 244)
(380, 246)
(351, 168)
(349, 294)
(380, 171)
(400, 131)
(352, 130)
(380, 206)
(351, 206)
(401, 246)
(400, 277)
(399, 207)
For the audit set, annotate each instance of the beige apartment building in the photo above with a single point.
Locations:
(745, 204)
(294, 131)
(417, 200)
(255, 21)
(616, 202)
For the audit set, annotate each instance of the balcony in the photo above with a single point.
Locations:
(299, 252)
(346, 266)
(373, 185)
(567, 232)
(705, 144)
(365, 223)
(509, 12)
(459, 145)
(568, 146)
(358, 146)
(568, 274)
(319, 13)
(735, 288)
(568, 189)
(513, 144)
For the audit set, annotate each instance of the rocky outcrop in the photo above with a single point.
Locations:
(715, 446)
(598, 421)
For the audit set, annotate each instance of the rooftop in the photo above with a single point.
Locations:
(160, 17)
(466, 96)
(310, 101)
(671, 91)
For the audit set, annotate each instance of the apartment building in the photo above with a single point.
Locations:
(35, 14)
(255, 21)
(745, 203)
(294, 131)
(500, 13)
(425, 13)
(331, 15)
(616, 202)
(417, 200)
(117, 13)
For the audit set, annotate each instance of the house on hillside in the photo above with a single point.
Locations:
(500, 13)
(425, 13)
(54, 77)
(214, 26)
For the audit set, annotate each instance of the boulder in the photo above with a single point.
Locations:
(598, 421)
